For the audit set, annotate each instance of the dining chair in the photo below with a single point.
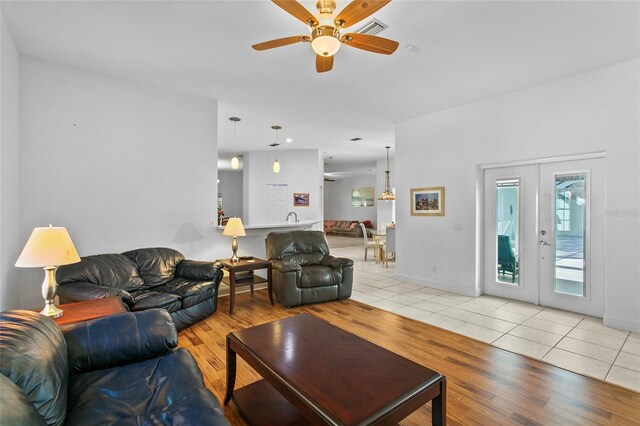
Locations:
(367, 243)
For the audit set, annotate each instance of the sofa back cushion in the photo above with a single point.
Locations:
(300, 247)
(34, 357)
(156, 265)
(109, 270)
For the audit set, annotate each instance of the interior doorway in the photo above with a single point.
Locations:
(278, 202)
(544, 234)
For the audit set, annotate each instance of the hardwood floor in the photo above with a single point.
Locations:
(485, 385)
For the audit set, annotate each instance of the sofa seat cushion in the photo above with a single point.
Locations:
(150, 392)
(150, 299)
(190, 292)
(319, 276)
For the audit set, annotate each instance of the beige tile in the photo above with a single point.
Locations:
(382, 293)
(443, 322)
(494, 302)
(631, 347)
(507, 316)
(413, 313)
(624, 377)
(475, 307)
(494, 323)
(565, 313)
(479, 333)
(546, 325)
(634, 337)
(521, 308)
(521, 346)
(364, 297)
(428, 305)
(420, 295)
(407, 286)
(597, 338)
(445, 301)
(459, 297)
(387, 305)
(430, 290)
(404, 299)
(535, 335)
(591, 350)
(465, 316)
(559, 318)
(627, 360)
(577, 363)
(595, 324)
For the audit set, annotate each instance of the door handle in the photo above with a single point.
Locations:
(544, 243)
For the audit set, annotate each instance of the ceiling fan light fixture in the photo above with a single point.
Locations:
(325, 45)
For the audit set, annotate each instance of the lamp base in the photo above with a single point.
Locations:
(51, 310)
(49, 293)
(234, 248)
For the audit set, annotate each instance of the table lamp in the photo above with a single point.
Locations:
(48, 247)
(234, 229)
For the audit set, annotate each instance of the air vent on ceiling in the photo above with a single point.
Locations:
(355, 139)
(372, 28)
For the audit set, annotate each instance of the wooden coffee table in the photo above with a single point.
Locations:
(316, 373)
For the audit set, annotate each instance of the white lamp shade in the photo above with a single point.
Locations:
(235, 163)
(325, 45)
(234, 228)
(48, 246)
(276, 167)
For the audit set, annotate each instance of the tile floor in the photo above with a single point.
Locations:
(571, 341)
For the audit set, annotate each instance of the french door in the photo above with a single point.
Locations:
(544, 234)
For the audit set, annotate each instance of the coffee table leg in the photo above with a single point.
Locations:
(231, 372)
(232, 290)
(439, 406)
(269, 286)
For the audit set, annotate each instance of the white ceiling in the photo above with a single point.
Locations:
(468, 51)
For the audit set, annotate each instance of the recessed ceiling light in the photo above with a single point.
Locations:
(288, 140)
(411, 48)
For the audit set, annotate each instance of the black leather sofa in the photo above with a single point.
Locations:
(145, 279)
(303, 270)
(122, 369)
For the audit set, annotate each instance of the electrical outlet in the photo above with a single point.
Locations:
(213, 223)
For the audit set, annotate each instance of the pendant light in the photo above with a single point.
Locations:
(387, 195)
(235, 163)
(276, 164)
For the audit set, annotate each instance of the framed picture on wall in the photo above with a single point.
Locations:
(362, 197)
(300, 199)
(427, 201)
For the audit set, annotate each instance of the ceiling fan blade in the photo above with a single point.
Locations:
(370, 43)
(324, 63)
(280, 42)
(358, 10)
(297, 10)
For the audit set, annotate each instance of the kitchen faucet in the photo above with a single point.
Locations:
(292, 213)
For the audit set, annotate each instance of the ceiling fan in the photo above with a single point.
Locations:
(326, 30)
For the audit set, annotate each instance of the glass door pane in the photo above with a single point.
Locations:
(570, 204)
(507, 230)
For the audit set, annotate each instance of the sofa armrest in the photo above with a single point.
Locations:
(336, 262)
(119, 339)
(284, 266)
(199, 270)
(79, 291)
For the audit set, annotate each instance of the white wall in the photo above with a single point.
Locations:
(230, 186)
(385, 208)
(594, 111)
(10, 237)
(299, 169)
(337, 199)
(122, 165)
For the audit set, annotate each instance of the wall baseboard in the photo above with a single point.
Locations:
(471, 292)
(627, 324)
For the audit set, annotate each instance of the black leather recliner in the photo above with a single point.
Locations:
(146, 278)
(304, 271)
(121, 369)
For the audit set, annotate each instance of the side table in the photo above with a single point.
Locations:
(242, 266)
(89, 309)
